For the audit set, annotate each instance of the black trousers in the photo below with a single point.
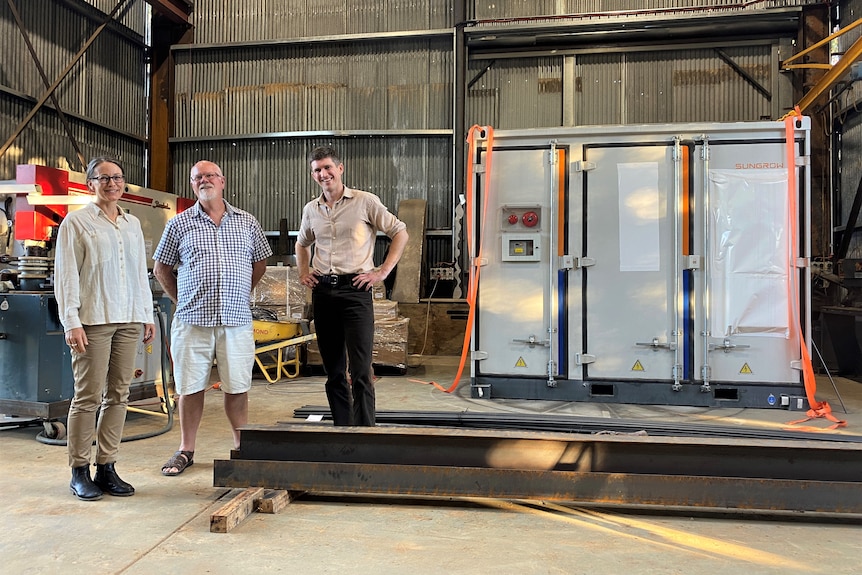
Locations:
(344, 322)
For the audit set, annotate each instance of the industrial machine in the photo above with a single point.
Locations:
(654, 264)
(34, 360)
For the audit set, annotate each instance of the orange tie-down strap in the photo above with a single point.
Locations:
(486, 133)
(818, 408)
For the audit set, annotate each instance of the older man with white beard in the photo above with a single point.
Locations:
(221, 254)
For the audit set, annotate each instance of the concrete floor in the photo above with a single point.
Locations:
(164, 528)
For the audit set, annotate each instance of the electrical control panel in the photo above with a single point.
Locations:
(521, 226)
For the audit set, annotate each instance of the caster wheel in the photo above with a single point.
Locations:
(54, 430)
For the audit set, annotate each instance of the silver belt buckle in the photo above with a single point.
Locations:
(333, 280)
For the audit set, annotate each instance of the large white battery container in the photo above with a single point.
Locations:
(654, 264)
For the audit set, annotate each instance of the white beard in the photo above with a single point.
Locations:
(207, 194)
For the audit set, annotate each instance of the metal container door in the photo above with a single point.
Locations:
(513, 320)
(630, 283)
(745, 314)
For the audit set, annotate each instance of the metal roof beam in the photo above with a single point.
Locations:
(174, 10)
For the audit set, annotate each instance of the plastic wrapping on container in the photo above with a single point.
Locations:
(385, 310)
(390, 344)
(280, 293)
(749, 250)
(391, 331)
(378, 291)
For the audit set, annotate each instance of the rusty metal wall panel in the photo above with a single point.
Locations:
(697, 86)
(598, 89)
(847, 164)
(134, 15)
(107, 84)
(633, 88)
(104, 94)
(849, 173)
(271, 179)
(403, 85)
(516, 93)
(45, 142)
(223, 21)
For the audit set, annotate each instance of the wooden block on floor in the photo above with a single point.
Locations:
(274, 500)
(237, 509)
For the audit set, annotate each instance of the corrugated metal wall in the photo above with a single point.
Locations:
(271, 178)
(847, 163)
(664, 86)
(397, 85)
(697, 85)
(103, 96)
(516, 93)
(220, 21)
(595, 9)
(258, 105)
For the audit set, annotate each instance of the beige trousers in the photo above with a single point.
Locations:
(103, 374)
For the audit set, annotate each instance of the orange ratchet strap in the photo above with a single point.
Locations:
(818, 408)
(475, 264)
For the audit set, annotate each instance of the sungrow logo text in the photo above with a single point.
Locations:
(761, 166)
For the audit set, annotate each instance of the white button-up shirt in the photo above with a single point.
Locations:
(344, 235)
(100, 270)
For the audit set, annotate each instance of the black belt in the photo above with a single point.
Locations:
(336, 280)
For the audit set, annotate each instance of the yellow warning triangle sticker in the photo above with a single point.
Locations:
(745, 369)
(638, 366)
(520, 362)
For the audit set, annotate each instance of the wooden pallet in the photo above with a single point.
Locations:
(247, 501)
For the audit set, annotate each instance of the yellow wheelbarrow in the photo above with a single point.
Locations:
(272, 340)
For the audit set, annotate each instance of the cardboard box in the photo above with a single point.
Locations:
(378, 291)
(385, 310)
(390, 354)
(391, 331)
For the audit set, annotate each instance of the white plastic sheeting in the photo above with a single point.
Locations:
(750, 245)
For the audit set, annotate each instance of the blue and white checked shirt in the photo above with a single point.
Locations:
(215, 263)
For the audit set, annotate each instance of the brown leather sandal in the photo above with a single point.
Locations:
(179, 461)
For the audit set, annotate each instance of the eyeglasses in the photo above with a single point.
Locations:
(104, 179)
(209, 176)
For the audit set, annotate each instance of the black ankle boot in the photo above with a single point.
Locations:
(82, 486)
(108, 481)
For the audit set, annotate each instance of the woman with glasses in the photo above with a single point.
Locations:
(106, 308)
